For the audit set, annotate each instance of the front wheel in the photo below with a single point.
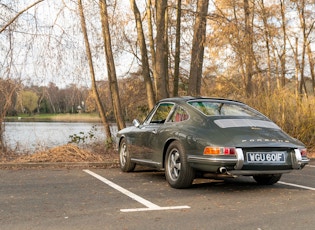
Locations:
(178, 172)
(124, 158)
(267, 179)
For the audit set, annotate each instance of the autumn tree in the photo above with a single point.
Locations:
(27, 101)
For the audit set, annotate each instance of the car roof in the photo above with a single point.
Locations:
(190, 98)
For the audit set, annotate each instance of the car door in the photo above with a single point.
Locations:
(148, 135)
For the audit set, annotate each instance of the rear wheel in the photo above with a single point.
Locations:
(267, 179)
(178, 172)
(124, 158)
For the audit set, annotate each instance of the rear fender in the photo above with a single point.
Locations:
(165, 150)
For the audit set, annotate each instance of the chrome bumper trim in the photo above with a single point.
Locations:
(297, 160)
(240, 158)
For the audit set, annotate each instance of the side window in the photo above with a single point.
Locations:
(161, 113)
(179, 115)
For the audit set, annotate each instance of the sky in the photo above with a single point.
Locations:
(47, 43)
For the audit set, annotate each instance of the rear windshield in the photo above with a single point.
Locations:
(210, 108)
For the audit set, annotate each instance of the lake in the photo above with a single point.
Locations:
(31, 136)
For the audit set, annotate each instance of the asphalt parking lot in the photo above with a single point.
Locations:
(110, 199)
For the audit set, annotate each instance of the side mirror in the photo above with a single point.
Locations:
(136, 123)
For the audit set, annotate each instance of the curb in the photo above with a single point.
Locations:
(113, 164)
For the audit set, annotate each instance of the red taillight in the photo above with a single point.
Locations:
(209, 150)
(303, 152)
(229, 151)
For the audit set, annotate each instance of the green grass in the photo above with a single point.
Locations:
(83, 117)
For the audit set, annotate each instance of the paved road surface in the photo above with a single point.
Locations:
(110, 199)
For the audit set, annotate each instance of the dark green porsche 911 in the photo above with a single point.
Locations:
(189, 137)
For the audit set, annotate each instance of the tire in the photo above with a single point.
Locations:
(178, 172)
(124, 158)
(267, 179)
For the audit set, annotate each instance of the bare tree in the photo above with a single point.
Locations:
(7, 90)
(144, 55)
(306, 48)
(111, 71)
(18, 15)
(249, 55)
(161, 48)
(283, 53)
(100, 106)
(267, 35)
(177, 48)
(198, 48)
(151, 42)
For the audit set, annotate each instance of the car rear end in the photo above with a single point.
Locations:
(267, 160)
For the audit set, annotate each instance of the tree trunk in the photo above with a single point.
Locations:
(198, 48)
(160, 67)
(267, 41)
(177, 49)
(151, 43)
(301, 9)
(283, 55)
(248, 40)
(297, 67)
(7, 89)
(311, 63)
(113, 85)
(100, 106)
(144, 56)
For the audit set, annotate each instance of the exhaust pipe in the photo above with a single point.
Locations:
(223, 170)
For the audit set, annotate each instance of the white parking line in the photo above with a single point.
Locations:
(296, 185)
(150, 206)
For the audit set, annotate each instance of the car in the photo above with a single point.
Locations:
(190, 137)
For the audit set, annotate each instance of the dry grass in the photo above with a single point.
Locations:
(75, 117)
(294, 115)
(65, 153)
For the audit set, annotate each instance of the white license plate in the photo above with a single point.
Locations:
(266, 157)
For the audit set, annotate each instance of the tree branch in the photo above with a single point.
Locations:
(19, 13)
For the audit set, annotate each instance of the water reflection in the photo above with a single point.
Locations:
(30, 136)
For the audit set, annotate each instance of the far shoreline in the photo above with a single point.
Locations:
(82, 117)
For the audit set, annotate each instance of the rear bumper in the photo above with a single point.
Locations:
(235, 163)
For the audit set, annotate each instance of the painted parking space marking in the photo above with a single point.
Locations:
(149, 205)
(296, 185)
